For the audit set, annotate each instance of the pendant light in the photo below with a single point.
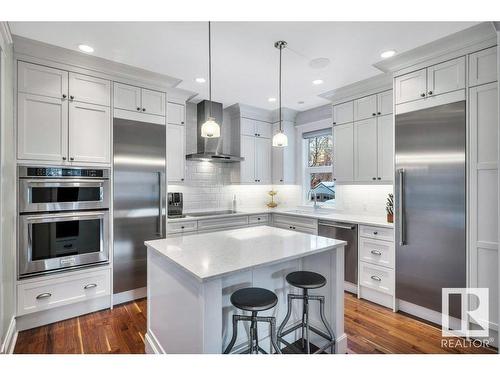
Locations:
(210, 128)
(280, 139)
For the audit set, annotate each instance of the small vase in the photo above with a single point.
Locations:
(390, 218)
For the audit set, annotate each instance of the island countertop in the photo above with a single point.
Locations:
(211, 255)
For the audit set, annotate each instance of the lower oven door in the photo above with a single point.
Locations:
(51, 242)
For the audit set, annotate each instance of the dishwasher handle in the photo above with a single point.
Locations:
(340, 226)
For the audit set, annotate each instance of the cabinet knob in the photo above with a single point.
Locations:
(64, 96)
(182, 179)
(374, 114)
(138, 108)
(71, 97)
(430, 92)
(379, 178)
(379, 113)
(422, 95)
(375, 233)
(71, 158)
(334, 123)
(182, 122)
(64, 157)
(182, 227)
(144, 110)
(374, 178)
(334, 179)
(281, 180)
(258, 219)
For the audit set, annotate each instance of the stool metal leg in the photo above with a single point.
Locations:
(306, 326)
(235, 334)
(287, 317)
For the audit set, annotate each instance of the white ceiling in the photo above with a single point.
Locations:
(245, 62)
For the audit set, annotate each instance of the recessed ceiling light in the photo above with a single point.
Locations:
(85, 48)
(271, 100)
(387, 54)
(200, 80)
(317, 82)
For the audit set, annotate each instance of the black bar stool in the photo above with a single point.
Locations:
(307, 280)
(254, 300)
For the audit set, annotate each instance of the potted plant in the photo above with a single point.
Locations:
(389, 207)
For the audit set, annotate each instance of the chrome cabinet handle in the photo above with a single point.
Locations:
(44, 295)
(376, 278)
(90, 286)
(376, 252)
(352, 227)
(401, 211)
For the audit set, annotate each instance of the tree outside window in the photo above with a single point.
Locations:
(319, 174)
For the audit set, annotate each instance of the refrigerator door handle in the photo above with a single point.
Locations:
(401, 211)
(160, 204)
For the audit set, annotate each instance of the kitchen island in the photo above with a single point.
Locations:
(191, 278)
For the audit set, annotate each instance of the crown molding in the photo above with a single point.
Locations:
(314, 114)
(5, 35)
(472, 39)
(42, 53)
(261, 114)
(369, 86)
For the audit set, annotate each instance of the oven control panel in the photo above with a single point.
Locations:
(63, 172)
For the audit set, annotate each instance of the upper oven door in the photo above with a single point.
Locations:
(37, 195)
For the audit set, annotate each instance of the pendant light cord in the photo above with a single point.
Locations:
(209, 70)
(279, 89)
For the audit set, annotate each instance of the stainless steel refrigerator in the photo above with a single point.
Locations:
(138, 198)
(430, 200)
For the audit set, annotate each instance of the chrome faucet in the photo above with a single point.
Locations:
(315, 206)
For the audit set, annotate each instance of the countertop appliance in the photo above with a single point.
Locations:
(175, 205)
(139, 197)
(63, 218)
(345, 232)
(430, 196)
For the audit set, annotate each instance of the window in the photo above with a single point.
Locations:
(318, 166)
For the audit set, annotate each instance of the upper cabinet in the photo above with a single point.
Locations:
(255, 128)
(176, 113)
(428, 82)
(343, 153)
(176, 142)
(385, 103)
(283, 158)
(373, 105)
(62, 117)
(483, 67)
(137, 99)
(343, 113)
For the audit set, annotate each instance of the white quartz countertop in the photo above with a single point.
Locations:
(321, 214)
(211, 255)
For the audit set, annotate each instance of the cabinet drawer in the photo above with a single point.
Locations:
(222, 223)
(386, 234)
(295, 221)
(181, 227)
(376, 252)
(296, 228)
(54, 292)
(376, 277)
(258, 219)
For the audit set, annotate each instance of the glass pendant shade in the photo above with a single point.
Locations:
(280, 140)
(210, 129)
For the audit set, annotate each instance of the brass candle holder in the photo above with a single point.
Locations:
(272, 204)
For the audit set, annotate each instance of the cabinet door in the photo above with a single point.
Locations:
(41, 80)
(89, 133)
(153, 102)
(247, 127)
(283, 158)
(247, 166)
(483, 67)
(42, 132)
(89, 89)
(365, 150)
(343, 113)
(385, 148)
(446, 77)
(263, 129)
(278, 160)
(175, 113)
(411, 86)
(176, 152)
(127, 97)
(365, 107)
(263, 160)
(343, 153)
(384, 103)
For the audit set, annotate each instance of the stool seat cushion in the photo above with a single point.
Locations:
(254, 299)
(306, 279)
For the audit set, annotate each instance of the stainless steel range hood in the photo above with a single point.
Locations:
(210, 149)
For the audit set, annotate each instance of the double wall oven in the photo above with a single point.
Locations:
(63, 218)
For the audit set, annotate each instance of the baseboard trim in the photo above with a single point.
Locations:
(9, 342)
(152, 345)
(129, 295)
(350, 287)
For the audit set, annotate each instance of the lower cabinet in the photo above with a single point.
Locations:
(297, 223)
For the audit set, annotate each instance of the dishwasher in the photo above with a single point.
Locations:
(346, 232)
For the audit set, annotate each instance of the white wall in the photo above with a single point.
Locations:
(7, 193)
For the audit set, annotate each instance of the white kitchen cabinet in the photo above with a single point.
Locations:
(255, 128)
(176, 113)
(343, 113)
(343, 153)
(176, 152)
(384, 103)
(483, 67)
(247, 166)
(89, 133)
(385, 148)
(42, 128)
(263, 129)
(365, 150)
(126, 97)
(296, 223)
(411, 86)
(42, 80)
(87, 89)
(263, 160)
(365, 107)
(445, 77)
(153, 102)
(283, 158)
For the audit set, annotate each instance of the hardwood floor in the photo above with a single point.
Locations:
(370, 329)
